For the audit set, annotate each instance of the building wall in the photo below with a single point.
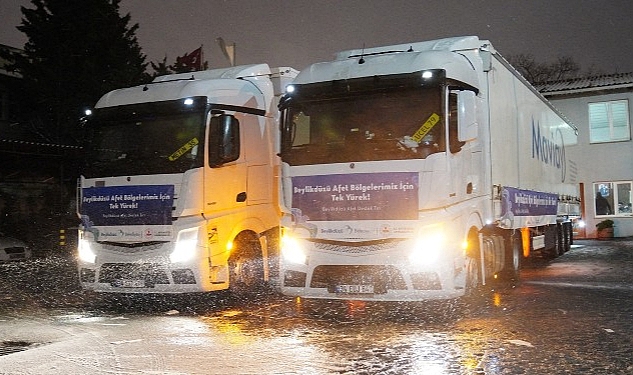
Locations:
(603, 162)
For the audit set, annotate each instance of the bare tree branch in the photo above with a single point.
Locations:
(536, 72)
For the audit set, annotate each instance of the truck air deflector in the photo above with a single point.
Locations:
(344, 87)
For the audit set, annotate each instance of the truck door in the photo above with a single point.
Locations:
(464, 155)
(225, 171)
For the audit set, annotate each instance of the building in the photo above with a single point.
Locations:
(601, 109)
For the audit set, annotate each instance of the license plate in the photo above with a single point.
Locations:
(354, 289)
(131, 283)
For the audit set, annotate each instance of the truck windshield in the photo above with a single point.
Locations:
(402, 123)
(148, 138)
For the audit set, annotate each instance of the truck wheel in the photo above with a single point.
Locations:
(246, 267)
(473, 281)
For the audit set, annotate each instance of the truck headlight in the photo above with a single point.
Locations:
(84, 251)
(185, 247)
(292, 251)
(428, 247)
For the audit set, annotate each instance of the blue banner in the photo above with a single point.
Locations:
(359, 196)
(517, 202)
(127, 205)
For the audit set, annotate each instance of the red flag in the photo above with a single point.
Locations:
(191, 60)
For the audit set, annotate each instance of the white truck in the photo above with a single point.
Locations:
(419, 171)
(181, 183)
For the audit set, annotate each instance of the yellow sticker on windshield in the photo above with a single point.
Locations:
(183, 150)
(426, 127)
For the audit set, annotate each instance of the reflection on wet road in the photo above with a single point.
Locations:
(571, 315)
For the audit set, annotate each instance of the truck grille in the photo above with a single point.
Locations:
(132, 248)
(365, 247)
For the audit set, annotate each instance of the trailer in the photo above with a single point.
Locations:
(419, 171)
(179, 192)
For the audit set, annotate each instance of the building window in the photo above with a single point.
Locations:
(609, 121)
(613, 198)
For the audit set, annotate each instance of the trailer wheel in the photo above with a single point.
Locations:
(246, 266)
(560, 242)
(567, 234)
(513, 260)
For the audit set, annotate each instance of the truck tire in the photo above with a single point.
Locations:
(513, 259)
(473, 279)
(246, 266)
(567, 237)
(560, 240)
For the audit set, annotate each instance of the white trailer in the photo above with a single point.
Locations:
(180, 188)
(419, 171)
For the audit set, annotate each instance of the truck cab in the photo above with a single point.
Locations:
(179, 190)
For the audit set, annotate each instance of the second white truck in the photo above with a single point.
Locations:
(419, 171)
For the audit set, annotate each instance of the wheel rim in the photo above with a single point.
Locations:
(516, 256)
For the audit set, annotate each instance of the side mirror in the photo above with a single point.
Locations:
(224, 140)
(467, 125)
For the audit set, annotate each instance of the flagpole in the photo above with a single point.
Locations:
(201, 64)
(234, 60)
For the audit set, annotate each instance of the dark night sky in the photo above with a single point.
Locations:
(597, 34)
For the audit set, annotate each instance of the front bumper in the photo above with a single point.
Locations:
(381, 273)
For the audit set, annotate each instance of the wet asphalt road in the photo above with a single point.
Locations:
(571, 315)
